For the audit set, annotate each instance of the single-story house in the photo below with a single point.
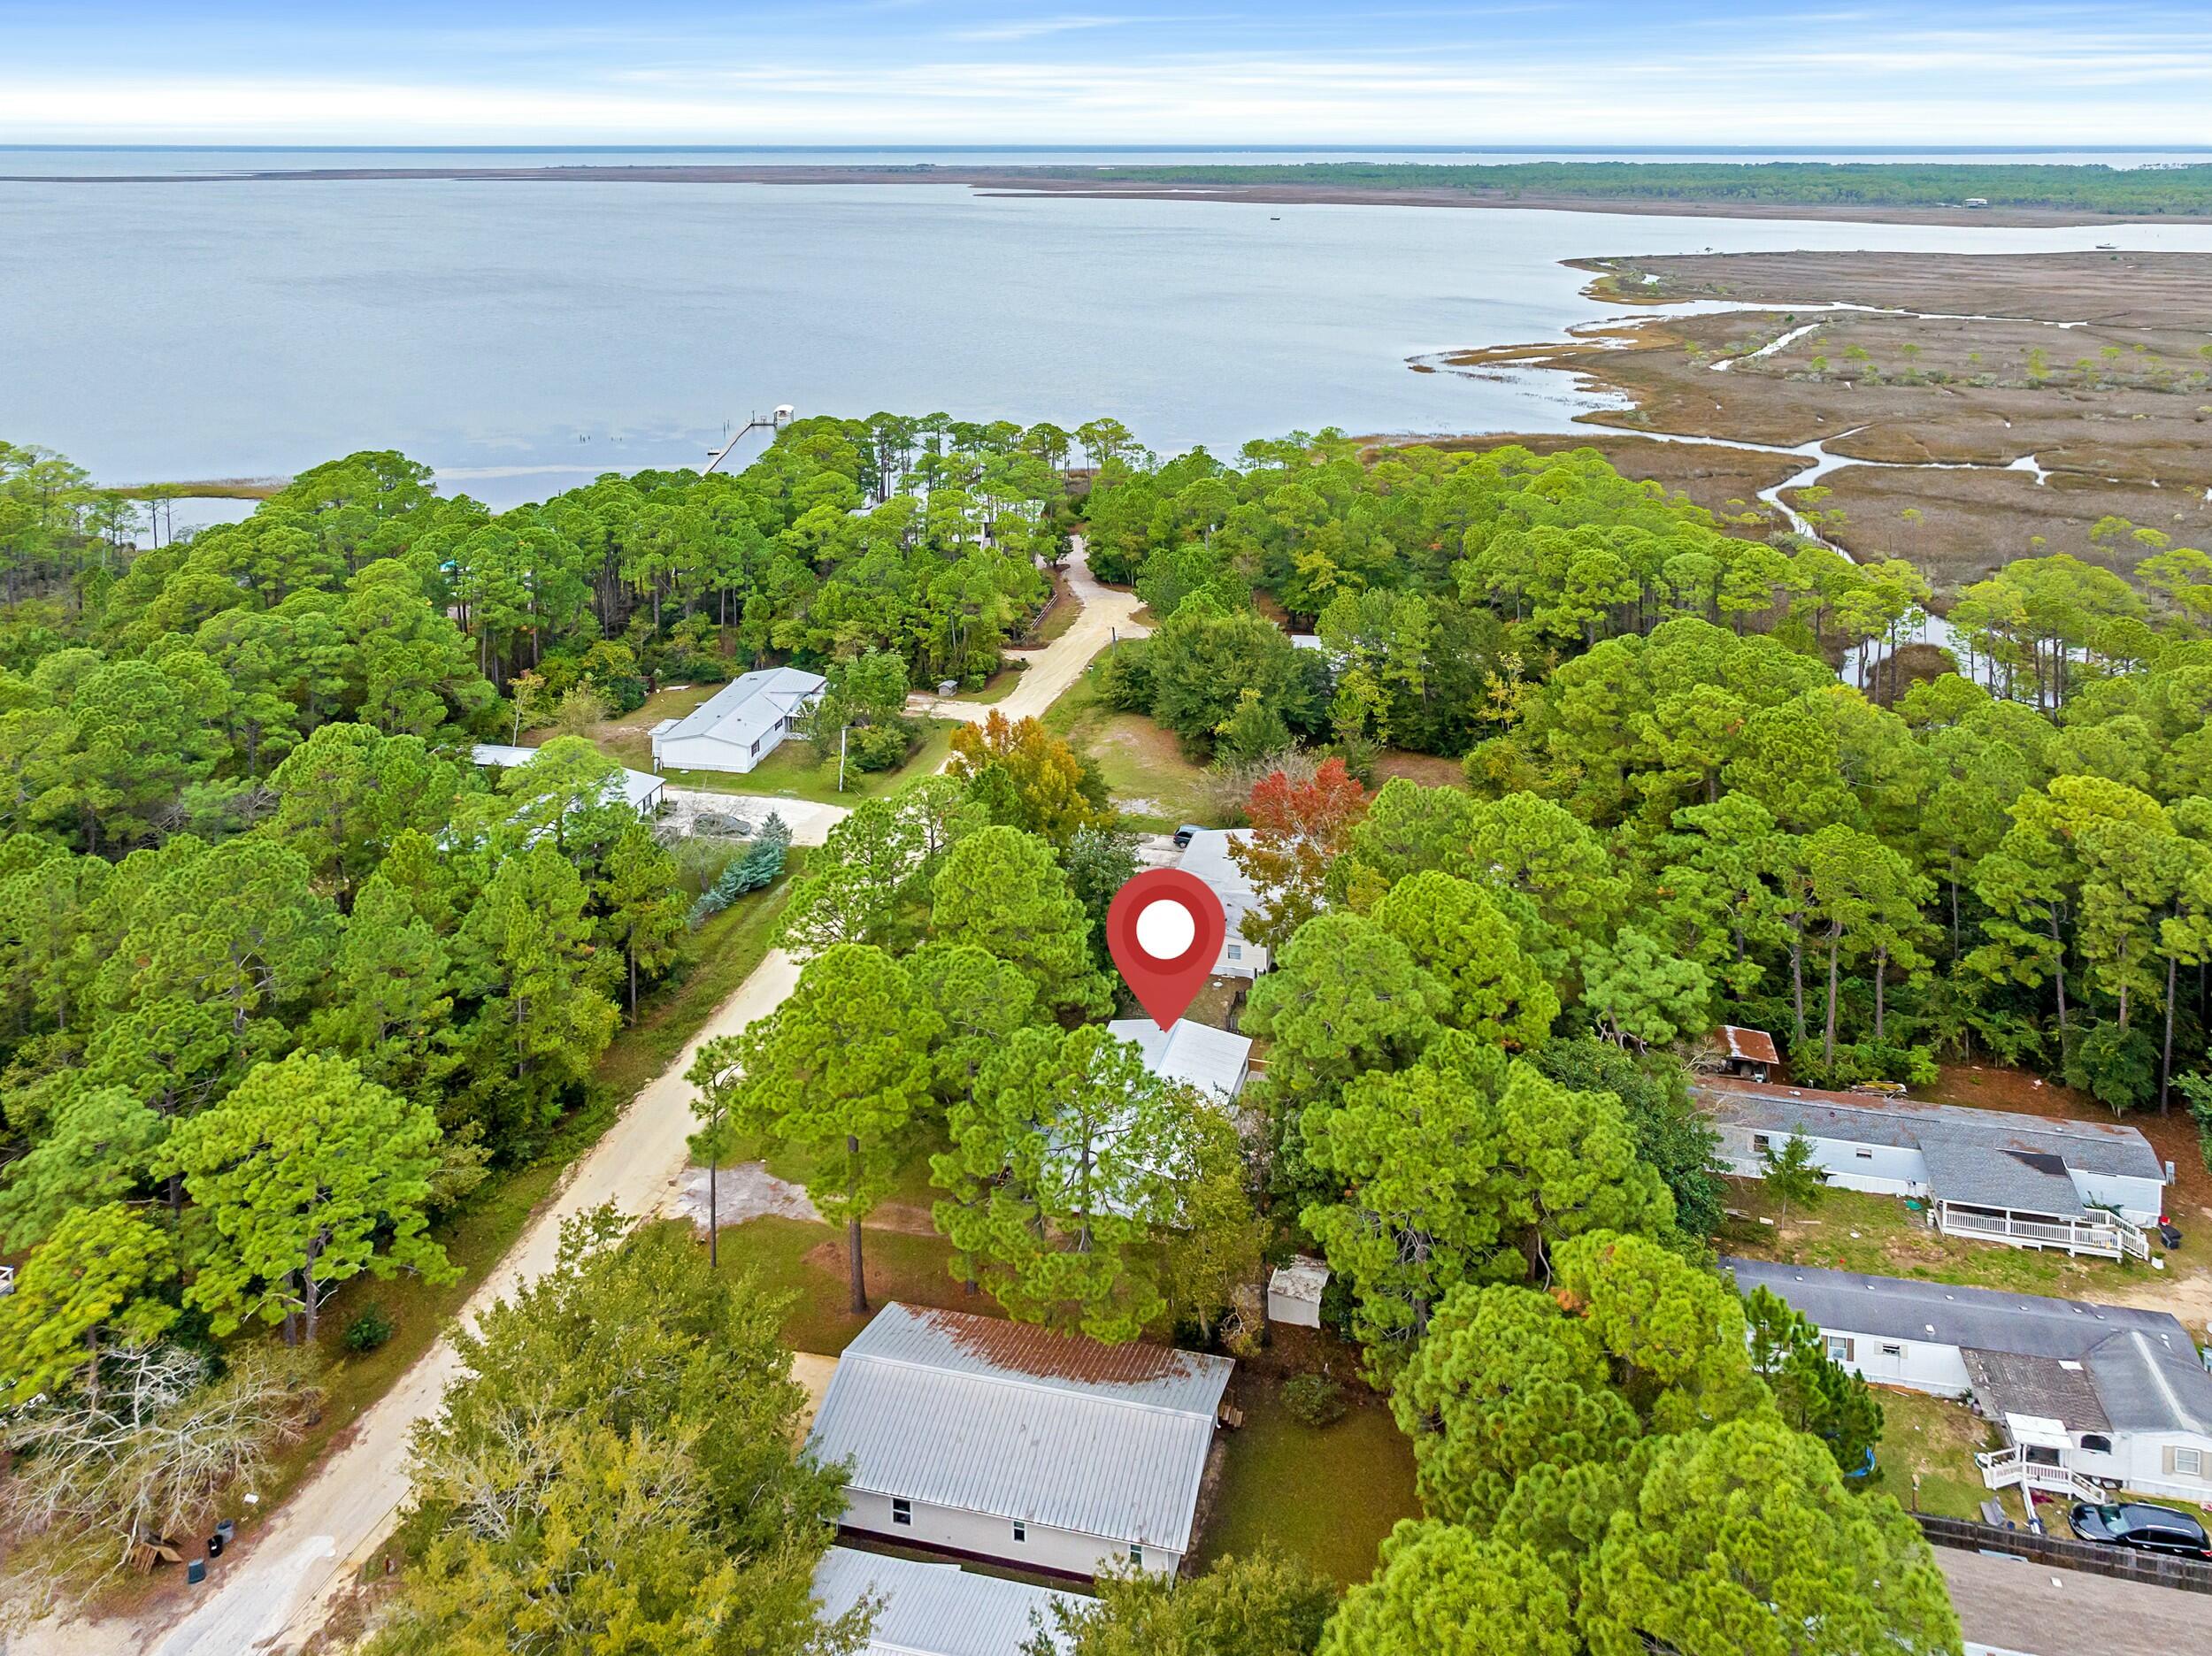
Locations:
(925, 1609)
(1216, 1062)
(998, 1440)
(2110, 1394)
(2088, 1187)
(740, 724)
(1747, 1052)
(639, 789)
(1295, 1291)
(1208, 857)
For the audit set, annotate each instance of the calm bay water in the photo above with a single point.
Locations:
(522, 337)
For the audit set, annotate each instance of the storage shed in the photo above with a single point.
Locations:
(1000, 1441)
(938, 1609)
(1748, 1052)
(1293, 1293)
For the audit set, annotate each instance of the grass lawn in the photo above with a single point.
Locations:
(1858, 1231)
(808, 1262)
(791, 772)
(1146, 773)
(477, 1234)
(997, 687)
(1938, 1439)
(1328, 1496)
(1059, 614)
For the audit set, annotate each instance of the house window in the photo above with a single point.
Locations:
(756, 750)
(901, 1511)
(1136, 1555)
(1021, 1530)
(2189, 1462)
(1840, 1348)
(1236, 951)
(2096, 1443)
(1864, 1155)
(1761, 1144)
(1889, 1350)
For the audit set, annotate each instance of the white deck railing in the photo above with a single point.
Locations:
(2107, 1237)
(2010, 1468)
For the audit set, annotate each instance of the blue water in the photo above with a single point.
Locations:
(521, 337)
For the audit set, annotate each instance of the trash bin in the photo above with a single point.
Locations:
(196, 1572)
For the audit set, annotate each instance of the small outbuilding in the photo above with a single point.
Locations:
(1293, 1293)
(925, 1609)
(740, 724)
(1747, 1052)
(1001, 1441)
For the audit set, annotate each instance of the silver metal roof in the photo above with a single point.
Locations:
(748, 707)
(1211, 1060)
(937, 1609)
(640, 788)
(2143, 1364)
(985, 1415)
(1207, 856)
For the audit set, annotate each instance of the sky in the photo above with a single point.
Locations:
(974, 72)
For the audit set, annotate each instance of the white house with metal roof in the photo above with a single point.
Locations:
(740, 724)
(1216, 1062)
(925, 1609)
(1207, 856)
(2087, 1187)
(1001, 1441)
(640, 790)
(2087, 1395)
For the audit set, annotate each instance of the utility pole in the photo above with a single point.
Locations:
(775, 421)
(843, 731)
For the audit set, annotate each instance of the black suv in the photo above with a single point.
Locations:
(2147, 1529)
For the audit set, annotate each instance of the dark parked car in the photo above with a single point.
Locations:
(2146, 1528)
(1183, 835)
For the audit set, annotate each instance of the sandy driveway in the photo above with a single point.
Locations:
(274, 1595)
(1107, 614)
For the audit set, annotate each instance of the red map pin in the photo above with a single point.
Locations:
(1164, 930)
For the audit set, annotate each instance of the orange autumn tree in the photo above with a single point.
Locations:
(1029, 779)
(1298, 829)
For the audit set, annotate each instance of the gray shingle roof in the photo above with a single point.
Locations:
(936, 1609)
(1961, 1169)
(2053, 1388)
(1955, 1135)
(2142, 1364)
(985, 1415)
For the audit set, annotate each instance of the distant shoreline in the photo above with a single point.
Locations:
(1023, 181)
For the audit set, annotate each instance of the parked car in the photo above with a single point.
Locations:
(2139, 1525)
(1184, 834)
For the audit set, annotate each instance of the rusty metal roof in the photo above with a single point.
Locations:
(1750, 1045)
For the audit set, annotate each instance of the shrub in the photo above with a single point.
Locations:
(368, 1331)
(1314, 1399)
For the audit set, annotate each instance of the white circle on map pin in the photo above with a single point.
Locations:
(1165, 930)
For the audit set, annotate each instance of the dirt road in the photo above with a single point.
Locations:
(274, 1595)
(1107, 614)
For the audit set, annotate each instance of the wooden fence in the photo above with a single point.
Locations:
(2189, 1575)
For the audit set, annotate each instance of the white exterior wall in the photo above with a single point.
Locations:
(1882, 1168)
(2144, 1457)
(1923, 1364)
(987, 1537)
(1282, 1307)
(706, 753)
(1249, 961)
(2139, 1199)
